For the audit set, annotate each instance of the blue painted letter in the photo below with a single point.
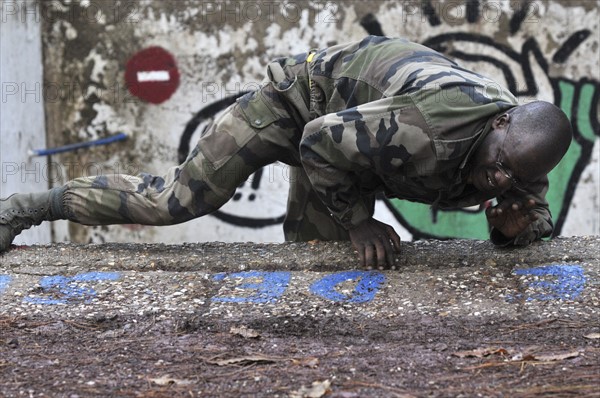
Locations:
(4, 281)
(271, 286)
(568, 284)
(64, 290)
(368, 285)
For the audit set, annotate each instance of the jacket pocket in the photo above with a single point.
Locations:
(256, 109)
(234, 128)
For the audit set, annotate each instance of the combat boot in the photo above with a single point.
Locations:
(21, 211)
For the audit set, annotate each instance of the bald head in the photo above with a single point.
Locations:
(539, 136)
(523, 146)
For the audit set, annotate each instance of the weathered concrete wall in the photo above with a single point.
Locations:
(539, 49)
(22, 125)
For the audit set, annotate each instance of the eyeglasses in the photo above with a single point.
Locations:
(515, 184)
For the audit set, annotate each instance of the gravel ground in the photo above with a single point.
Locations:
(455, 318)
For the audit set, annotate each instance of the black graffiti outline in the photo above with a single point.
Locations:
(530, 47)
(587, 147)
(519, 17)
(472, 11)
(570, 45)
(207, 114)
(249, 221)
(203, 115)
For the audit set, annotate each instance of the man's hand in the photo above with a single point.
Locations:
(375, 242)
(511, 217)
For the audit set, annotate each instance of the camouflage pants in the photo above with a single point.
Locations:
(261, 128)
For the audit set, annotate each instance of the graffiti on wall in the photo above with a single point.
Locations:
(525, 71)
(526, 74)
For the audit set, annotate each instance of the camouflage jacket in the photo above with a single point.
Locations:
(394, 116)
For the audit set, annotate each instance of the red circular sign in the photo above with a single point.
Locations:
(152, 75)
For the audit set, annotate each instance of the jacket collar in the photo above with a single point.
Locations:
(484, 133)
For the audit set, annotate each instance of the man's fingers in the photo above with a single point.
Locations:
(504, 205)
(382, 247)
(361, 255)
(493, 212)
(369, 256)
(507, 206)
(516, 206)
(375, 243)
(530, 204)
(388, 252)
(395, 238)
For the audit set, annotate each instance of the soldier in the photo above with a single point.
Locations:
(377, 115)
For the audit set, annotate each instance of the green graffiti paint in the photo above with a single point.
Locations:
(577, 100)
(584, 124)
(448, 224)
(559, 177)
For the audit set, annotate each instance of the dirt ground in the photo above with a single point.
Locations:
(407, 356)
(440, 326)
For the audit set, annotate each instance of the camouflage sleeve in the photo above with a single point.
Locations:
(345, 152)
(333, 169)
(540, 228)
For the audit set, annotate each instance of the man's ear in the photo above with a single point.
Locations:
(501, 122)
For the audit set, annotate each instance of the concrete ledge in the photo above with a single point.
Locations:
(306, 256)
(235, 281)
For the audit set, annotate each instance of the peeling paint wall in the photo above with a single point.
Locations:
(540, 49)
(22, 125)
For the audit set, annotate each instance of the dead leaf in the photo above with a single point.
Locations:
(310, 362)
(168, 380)
(480, 352)
(245, 360)
(245, 332)
(592, 336)
(317, 390)
(555, 357)
(528, 357)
